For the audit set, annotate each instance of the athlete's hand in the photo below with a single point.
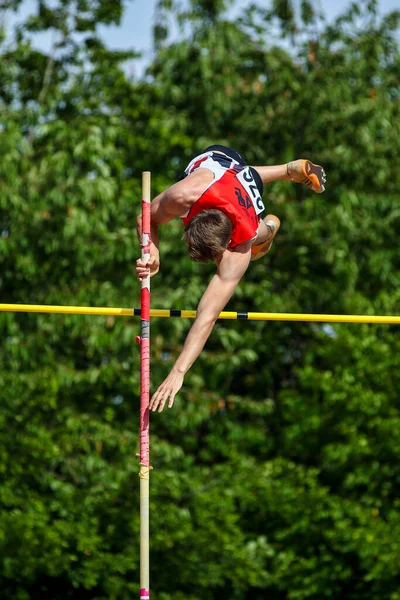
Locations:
(167, 391)
(151, 267)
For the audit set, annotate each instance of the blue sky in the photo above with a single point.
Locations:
(135, 30)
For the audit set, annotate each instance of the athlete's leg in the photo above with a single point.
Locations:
(301, 171)
(269, 227)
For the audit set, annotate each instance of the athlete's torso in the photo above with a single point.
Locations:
(233, 191)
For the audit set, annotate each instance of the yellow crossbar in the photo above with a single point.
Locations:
(191, 314)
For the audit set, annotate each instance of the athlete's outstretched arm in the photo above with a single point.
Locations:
(220, 289)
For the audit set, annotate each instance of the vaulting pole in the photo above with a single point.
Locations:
(144, 473)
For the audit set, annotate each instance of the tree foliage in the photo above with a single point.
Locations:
(275, 475)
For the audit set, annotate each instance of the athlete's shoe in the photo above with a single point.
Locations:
(260, 250)
(304, 171)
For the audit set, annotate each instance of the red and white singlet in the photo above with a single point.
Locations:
(233, 191)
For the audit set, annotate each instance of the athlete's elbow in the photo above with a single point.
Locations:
(208, 319)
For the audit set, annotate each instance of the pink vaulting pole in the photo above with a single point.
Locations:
(145, 467)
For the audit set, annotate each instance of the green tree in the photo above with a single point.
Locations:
(275, 474)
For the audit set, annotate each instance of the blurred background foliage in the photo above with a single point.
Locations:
(276, 474)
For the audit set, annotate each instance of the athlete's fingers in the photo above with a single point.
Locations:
(140, 262)
(162, 403)
(163, 400)
(141, 275)
(154, 400)
(157, 400)
(142, 268)
(153, 404)
(171, 400)
(160, 398)
(169, 393)
(166, 392)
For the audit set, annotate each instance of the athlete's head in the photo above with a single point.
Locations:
(207, 235)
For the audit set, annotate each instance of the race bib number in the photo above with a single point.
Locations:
(246, 179)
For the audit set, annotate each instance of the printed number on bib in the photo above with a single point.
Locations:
(246, 179)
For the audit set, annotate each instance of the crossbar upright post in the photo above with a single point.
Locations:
(144, 473)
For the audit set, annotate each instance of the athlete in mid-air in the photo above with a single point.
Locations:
(219, 200)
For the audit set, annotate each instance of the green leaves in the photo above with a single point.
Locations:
(275, 473)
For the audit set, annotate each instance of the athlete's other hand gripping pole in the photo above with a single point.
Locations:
(145, 395)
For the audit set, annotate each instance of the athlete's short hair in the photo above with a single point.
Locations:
(207, 235)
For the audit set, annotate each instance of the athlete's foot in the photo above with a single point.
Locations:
(304, 171)
(272, 223)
